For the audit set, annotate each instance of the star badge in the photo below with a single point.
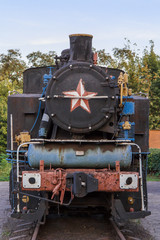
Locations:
(80, 101)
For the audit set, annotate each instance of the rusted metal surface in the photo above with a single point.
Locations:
(141, 119)
(55, 181)
(35, 233)
(81, 48)
(72, 155)
(154, 139)
(119, 233)
(24, 108)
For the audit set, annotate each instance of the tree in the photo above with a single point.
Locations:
(106, 59)
(128, 60)
(144, 73)
(152, 61)
(11, 69)
(39, 59)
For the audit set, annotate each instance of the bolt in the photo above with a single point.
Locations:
(70, 66)
(52, 114)
(69, 127)
(48, 97)
(106, 116)
(91, 66)
(112, 97)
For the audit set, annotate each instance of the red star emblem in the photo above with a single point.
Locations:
(80, 102)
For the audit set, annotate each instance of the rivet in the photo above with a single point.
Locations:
(91, 66)
(48, 97)
(106, 116)
(90, 127)
(69, 127)
(52, 114)
(54, 77)
(70, 66)
(112, 97)
(107, 78)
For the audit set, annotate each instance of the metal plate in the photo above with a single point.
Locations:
(80, 115)
(27, 184)
(128, 181)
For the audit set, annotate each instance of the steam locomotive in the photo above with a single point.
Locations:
(77, 138)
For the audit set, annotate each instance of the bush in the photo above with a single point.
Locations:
(5, 168)
(154, 161)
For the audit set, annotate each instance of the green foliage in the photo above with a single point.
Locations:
(143, 71)
(129, 61)
(12, 67)
(38, 59)
(5, 168)
(152, 62)
(11, 79)
(106, 59)
(153, 178)
(3, 124)
(154, 161)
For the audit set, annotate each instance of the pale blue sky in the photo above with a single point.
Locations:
(32, 25)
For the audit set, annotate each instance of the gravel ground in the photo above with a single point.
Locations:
(4, 204)
(77, 227)
(151, 223)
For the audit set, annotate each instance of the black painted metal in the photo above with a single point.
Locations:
(81, 48)
(24, 108)
(101, 122)
(79, 120)
(33, 79)
(82, 184)
(120, 215)
(141, 119)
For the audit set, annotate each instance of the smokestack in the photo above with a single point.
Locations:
(81, 48)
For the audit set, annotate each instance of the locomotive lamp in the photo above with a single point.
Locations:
(131, 200)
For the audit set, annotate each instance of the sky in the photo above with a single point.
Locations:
(45, 25)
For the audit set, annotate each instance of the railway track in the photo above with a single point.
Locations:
(23, 231)
(71, 228)
(79, 228)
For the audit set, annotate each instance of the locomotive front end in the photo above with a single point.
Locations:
(85, 149)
